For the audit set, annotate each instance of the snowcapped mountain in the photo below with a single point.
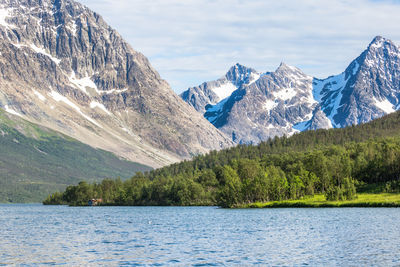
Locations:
(211, 93)
(270, 106)
(287, 100)
(368, 89)
(63, 67)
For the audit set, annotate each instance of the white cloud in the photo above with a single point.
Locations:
(191, 41)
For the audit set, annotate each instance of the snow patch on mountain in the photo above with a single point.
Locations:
(42, 51)
(318, 85)
(213, 112)
(112, 91)
(330, 92)
(270, 104)
(38, 50)
(377, 43)
(11, 111)
(39, 95)
(73, 27)
(95, 104)
(356, 67)
(253, 78)
(224, 90)
(384, 105)
(60, 98)
(82, 83)
(285, 94)
(5, 13)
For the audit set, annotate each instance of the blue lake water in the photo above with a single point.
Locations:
(199, 236)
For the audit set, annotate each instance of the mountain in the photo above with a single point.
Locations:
(287, 100)
(63, 67)
(269, 105)
(210, 93)
(369, 87)
(35, 161)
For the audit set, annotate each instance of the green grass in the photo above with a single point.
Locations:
(319, 201)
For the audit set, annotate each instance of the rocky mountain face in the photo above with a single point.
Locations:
(63, 67)
(368, 89)
(211, 93)
(268, 107)
(287, 100)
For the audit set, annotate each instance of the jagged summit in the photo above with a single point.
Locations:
(283, 67)
(287, 100)
(368, 89)
(212, 92)
(64, 67)
(287, 70)
(238, 68)
(256, 109)
(379, 41)
(240, 74)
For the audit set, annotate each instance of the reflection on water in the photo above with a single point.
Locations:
(200, 236)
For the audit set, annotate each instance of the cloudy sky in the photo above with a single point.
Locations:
(192, 41)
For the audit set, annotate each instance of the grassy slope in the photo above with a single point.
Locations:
(36, 161)
(319, 201)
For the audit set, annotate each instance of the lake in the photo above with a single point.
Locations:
(198, 236)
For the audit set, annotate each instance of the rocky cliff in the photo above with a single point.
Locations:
(63, 67)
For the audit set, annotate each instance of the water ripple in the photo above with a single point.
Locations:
(197, 236)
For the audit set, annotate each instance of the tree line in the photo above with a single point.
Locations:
(246, 175)
(334, 162)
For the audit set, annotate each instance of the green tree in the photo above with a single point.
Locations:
(277, 183)
(230, 192)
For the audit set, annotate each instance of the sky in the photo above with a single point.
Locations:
(192, 41)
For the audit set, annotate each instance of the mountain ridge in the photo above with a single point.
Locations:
(287, 100)
(64, 68)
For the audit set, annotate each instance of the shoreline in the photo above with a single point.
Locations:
(383, 200)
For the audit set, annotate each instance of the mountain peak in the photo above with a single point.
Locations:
(239, 68)
(379, 42)
(288, 100)
(283, 67)
(239, 74)
(378, 38)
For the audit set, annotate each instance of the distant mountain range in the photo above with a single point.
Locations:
(251, 106)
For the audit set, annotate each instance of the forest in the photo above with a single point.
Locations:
(336, 162)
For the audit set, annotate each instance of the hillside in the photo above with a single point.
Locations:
(332, 162)
(63, 67)
(35, 161)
